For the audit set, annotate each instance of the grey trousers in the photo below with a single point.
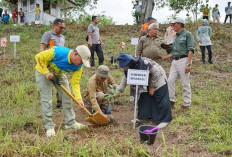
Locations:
(45, 89)
(178, 70)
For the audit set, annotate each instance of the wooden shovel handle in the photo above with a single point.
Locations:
(74, 99)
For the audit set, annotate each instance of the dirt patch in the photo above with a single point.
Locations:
(118, 132)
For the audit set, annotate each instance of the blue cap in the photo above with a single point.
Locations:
(124, 59)
(150, 18)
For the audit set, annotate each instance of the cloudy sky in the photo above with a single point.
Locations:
(121, 10)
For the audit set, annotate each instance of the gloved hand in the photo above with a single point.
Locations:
(107, 110)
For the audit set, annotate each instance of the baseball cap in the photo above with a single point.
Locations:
(180, 20)
(172, 21)
(150, 18)
(85, 54)
(103, 71)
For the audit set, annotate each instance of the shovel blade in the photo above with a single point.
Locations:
(98, 119)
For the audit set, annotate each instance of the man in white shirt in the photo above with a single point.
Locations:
(170, 35)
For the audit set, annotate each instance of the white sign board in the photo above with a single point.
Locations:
(134, 41)
(137, 77)
(14, 38)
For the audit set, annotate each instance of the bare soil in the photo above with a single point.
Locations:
(119, 131)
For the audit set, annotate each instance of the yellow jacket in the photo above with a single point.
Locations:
(57, 60)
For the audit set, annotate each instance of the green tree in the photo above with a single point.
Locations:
(193, 6)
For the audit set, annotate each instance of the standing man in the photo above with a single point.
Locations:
(37, 12)
(5, 17)
(151, 45)
(95, 42)
(216, 14)
(228, 11)
(15, 16)
(206, 12)
(137, 8)
(59, 60)
(144, 28)
(54, 38)
(182, 53)
(21, 15)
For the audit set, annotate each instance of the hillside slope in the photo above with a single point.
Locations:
(204, 130)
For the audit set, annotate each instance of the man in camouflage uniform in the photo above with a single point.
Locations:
(150, 46)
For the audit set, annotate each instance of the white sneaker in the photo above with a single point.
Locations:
(77, 126)
(50, 133)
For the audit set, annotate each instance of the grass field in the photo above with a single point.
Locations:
(203, 130)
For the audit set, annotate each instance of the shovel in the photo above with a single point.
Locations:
(96, 118)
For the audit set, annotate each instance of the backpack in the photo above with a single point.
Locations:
(87, 38)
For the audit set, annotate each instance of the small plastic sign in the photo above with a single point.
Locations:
(14, 38)
(3, 42)
(137, 77)
(134, 41)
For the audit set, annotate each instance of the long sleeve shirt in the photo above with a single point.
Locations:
(183, 43)
(95, 86)
(228, 10)
(157, 75)
(57, 60)
(204, 34)
(150, 48)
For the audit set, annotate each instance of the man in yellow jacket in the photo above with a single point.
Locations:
(206, 12)
(59, 60)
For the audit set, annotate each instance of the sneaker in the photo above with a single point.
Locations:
(112, 118)
(50, 133)
(77, 126)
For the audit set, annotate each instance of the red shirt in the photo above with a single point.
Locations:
(14, 14)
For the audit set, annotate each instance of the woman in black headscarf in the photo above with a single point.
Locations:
(155, 103)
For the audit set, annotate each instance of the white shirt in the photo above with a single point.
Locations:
(169, 36)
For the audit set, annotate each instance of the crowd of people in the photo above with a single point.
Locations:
(15, 14)
(205, 11)
(155, 101)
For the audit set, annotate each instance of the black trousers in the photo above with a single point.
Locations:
(230, 15)
(98, 49)
(209, 52)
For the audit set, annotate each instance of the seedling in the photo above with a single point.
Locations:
(110, 96)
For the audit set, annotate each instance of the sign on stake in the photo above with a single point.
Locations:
(135, 42)
(137, 77)
(14, 39)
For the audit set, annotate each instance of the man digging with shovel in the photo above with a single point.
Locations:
(59, 60)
